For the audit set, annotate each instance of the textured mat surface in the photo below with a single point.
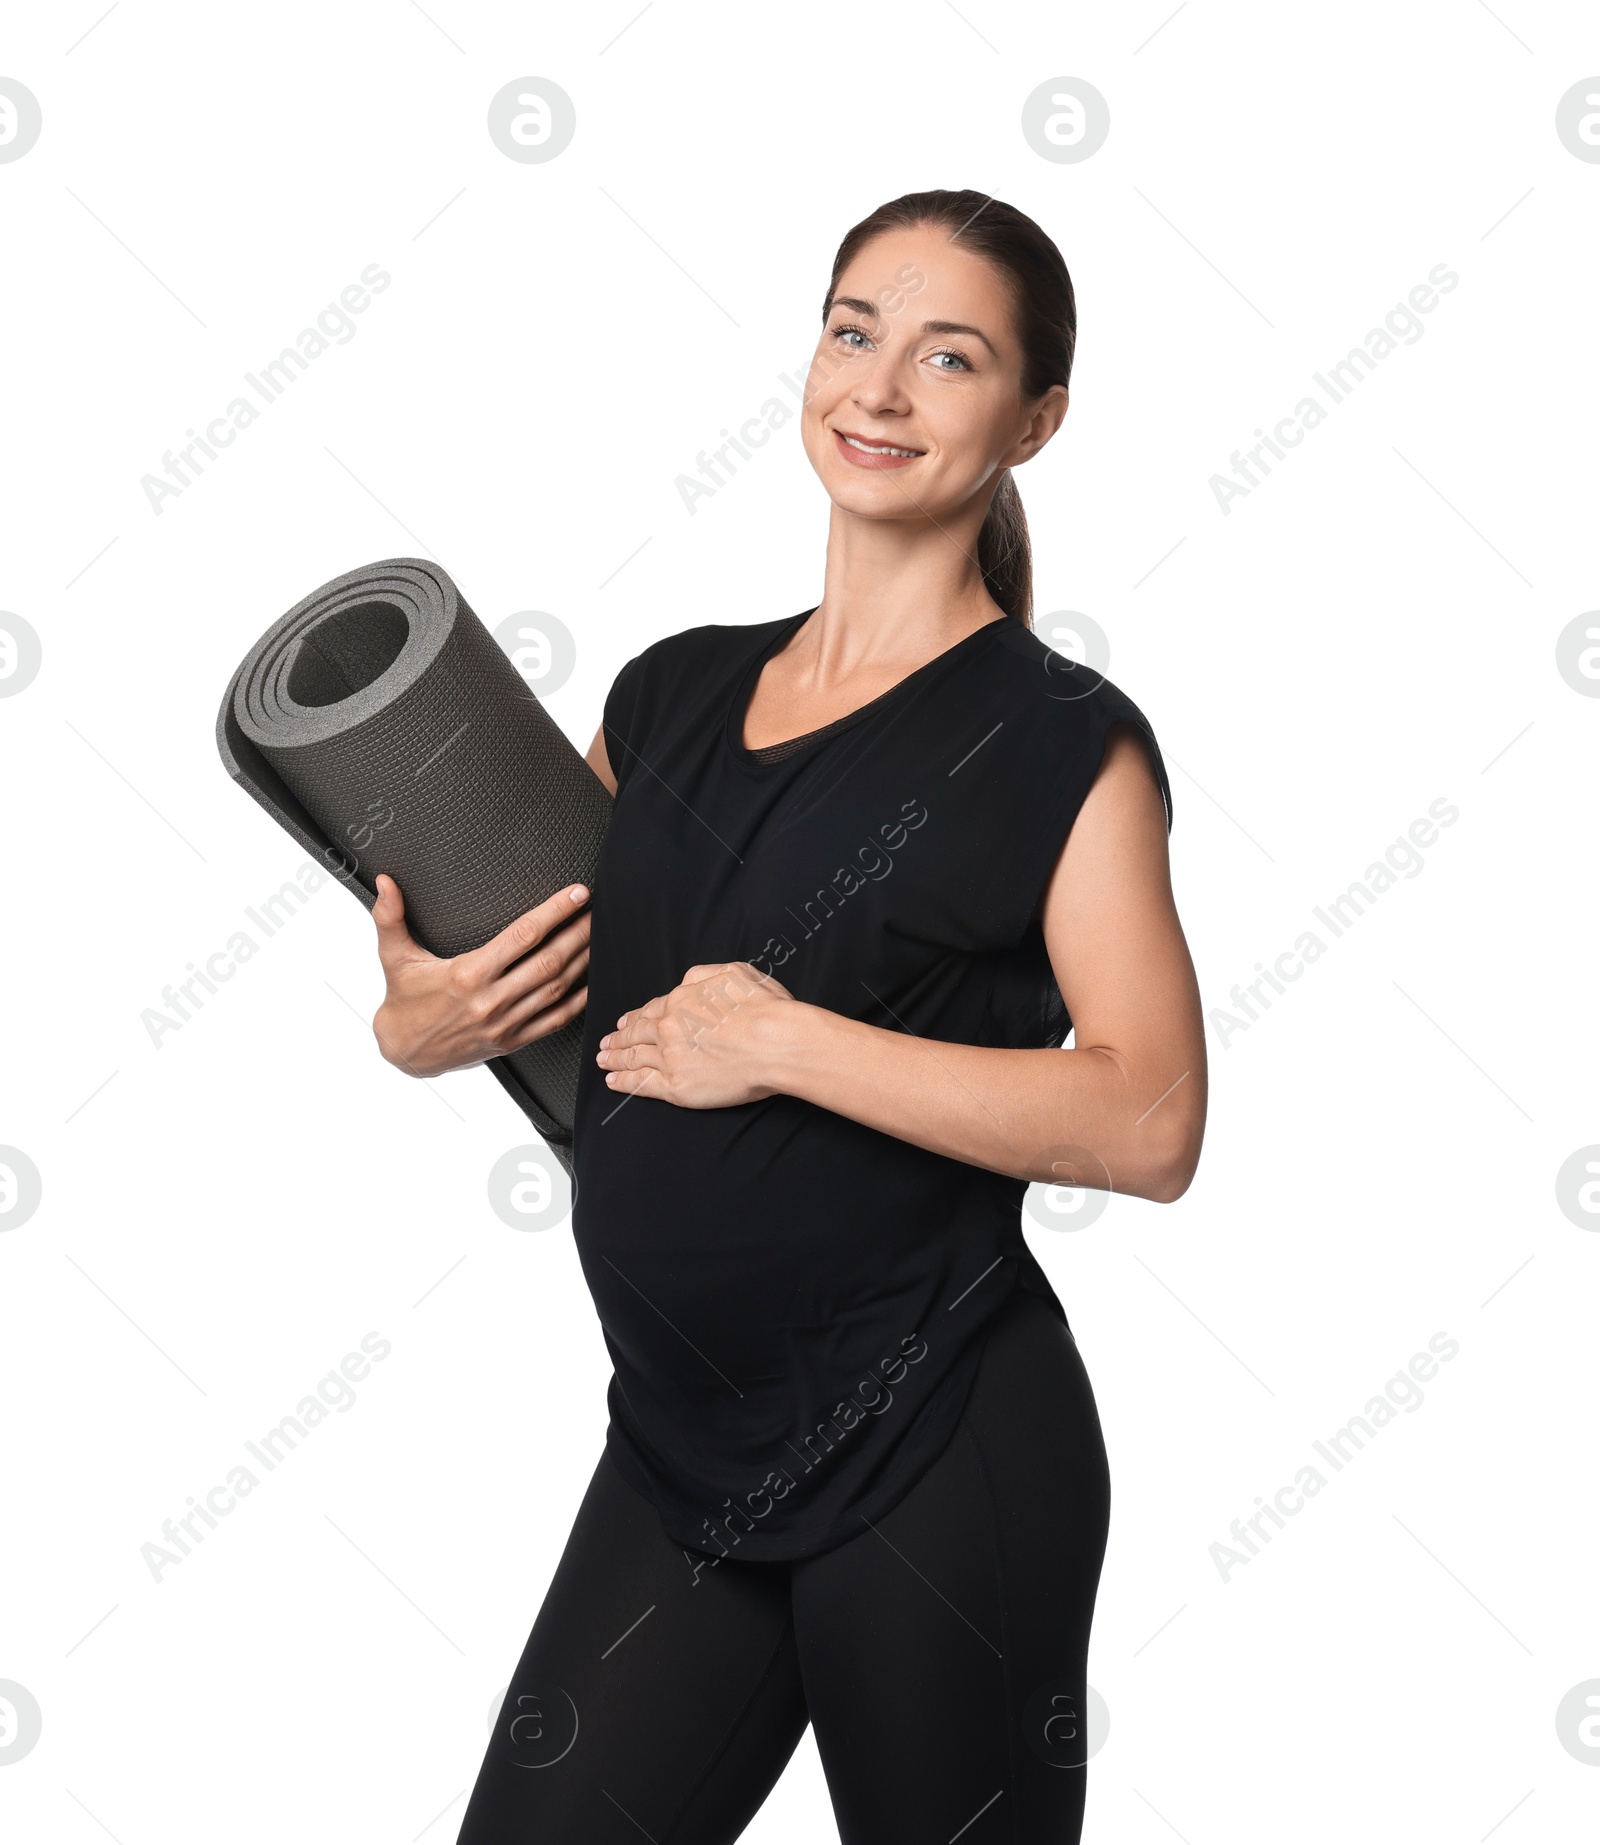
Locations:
(381, 726)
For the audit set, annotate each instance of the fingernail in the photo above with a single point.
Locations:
(622, 1021)
(605, 1040)
(577, 893)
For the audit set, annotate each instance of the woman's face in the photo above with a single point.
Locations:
(914, 398)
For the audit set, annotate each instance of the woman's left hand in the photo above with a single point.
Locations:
(712, 1042)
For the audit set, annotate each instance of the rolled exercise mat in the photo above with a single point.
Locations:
(380, 725)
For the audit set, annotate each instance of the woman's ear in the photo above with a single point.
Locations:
(1047, 418)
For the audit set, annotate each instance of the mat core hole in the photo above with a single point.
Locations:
(345, 652)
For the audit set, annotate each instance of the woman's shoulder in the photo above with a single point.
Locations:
(1066, 704)
(694, 653)
(1060, 688)
(673, 681)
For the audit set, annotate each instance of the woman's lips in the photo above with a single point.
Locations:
(872, 454)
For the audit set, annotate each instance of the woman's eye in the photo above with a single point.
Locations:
(959, 358)
(850, 333)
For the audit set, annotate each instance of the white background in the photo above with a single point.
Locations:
(1373, 628)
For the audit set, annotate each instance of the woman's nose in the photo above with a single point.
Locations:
(878, 389)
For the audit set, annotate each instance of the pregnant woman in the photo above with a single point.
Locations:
(869, 866)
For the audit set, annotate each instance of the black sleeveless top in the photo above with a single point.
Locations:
(795, 1303)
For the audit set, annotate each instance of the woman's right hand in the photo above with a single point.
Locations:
(442, 1013)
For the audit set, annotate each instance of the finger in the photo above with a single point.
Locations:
(638, 1030)
(632, 1057)
(515, 1013)
(733, 978)
(652, 1009)
(550, 1019)
(395, 941)
(639, 1082)
(549, 966)
(526, 931)
(708, 1002)
(704, 971)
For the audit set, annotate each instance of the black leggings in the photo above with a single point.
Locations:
(940, 1655)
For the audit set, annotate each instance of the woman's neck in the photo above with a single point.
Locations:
(893, 595)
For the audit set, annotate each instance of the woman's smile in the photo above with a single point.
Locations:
(862, 453)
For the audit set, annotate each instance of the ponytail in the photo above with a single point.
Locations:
(1004, 554)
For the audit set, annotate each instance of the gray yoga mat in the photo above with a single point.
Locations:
(382, 727)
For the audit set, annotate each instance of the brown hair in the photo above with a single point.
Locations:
(1045, 315)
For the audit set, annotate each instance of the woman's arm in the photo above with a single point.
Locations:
(1124, 1110)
